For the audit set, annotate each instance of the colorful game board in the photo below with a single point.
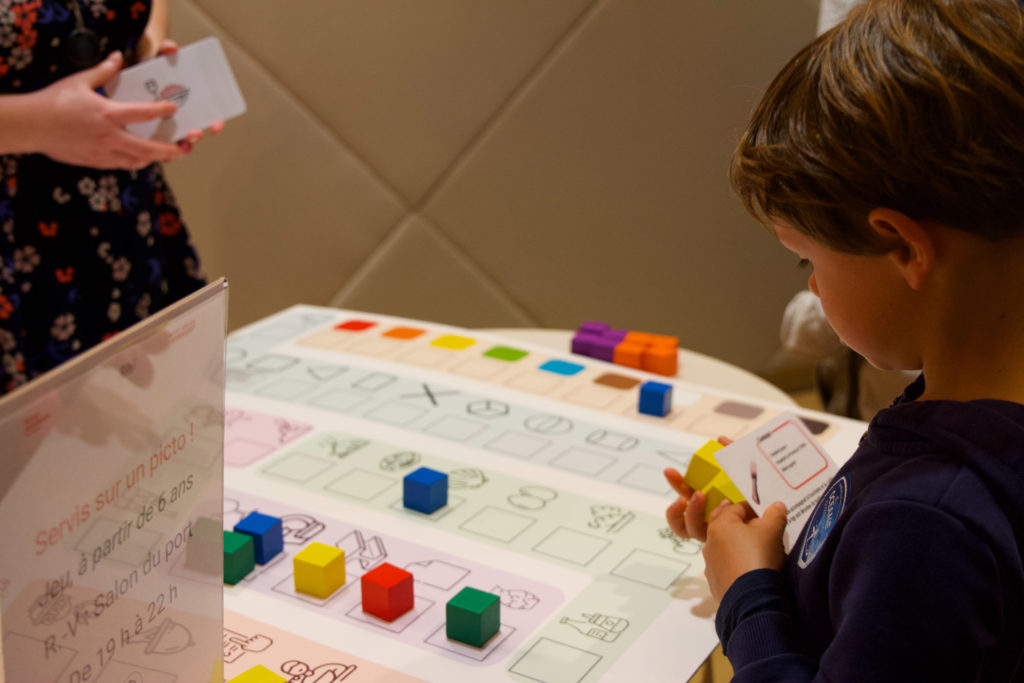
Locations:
(556, 501)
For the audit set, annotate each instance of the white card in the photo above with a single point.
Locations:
(780, 461)
(198, 79)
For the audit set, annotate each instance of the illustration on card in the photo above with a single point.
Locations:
(430, 394)
(400, 461)
(487, 408)
(532, 497)
(166, 638)
(367, 552)
(300, 528)
(238, 644)
(683, 546)
(609, 518)
(300, 672)
(598, 626)
(516, 598)
(466, 478)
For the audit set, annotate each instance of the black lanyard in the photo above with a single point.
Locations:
(83, 43)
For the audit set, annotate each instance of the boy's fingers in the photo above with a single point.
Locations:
(695, 525)
(725, 508)
(676, 481)
(675, 516)
(748, 512)
(775, 517)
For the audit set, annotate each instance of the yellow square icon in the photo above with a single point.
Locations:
(453, 342)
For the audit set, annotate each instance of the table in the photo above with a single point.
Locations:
(556, 500)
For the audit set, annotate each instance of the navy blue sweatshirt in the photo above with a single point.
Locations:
(910, 567)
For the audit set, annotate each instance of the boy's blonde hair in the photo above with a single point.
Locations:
(914, 105)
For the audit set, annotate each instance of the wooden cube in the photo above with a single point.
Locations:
(258, 674)
(473, 617)
(387, 592)
(319, 569)
(239, 556)
(267, 534)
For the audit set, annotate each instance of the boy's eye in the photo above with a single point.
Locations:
(803, 263)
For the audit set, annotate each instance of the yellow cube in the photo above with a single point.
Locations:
(319, 569)
(703, 466)
(258, 674)
(721, 488)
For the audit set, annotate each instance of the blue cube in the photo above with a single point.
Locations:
(655, 399)
(267, 534)
(425, 490)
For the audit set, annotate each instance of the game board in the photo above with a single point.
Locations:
(556, 501)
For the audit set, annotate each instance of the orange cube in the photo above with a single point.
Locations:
(664, 340)
(630, 354)
(633, 337)
(661, 359)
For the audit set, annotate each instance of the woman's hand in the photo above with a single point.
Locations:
(75, 125)
(738, 541)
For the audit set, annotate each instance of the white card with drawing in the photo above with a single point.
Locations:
(780, 461)
(198, 79)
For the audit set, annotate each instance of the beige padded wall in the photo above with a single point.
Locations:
(495, 162)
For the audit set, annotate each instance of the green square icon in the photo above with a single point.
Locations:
(473, 617)
(506, 353)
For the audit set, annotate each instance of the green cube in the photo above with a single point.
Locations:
(239, 556)
(472, 617)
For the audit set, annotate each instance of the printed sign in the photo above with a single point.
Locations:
(111, 489)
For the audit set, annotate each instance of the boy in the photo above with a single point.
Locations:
(889, 155)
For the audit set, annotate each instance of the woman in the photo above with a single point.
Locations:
(91, 239)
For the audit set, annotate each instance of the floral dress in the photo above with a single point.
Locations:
(84, 253)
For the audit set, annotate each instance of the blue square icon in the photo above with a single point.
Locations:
(561, 367)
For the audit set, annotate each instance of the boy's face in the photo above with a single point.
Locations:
(861, 297)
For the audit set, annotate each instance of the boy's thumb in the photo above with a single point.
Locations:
(775, 516)
(105, 70)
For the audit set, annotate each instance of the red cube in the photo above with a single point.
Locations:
(387, 592)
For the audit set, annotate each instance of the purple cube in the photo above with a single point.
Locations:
(604, 348)
(583, 343)
(591, 327)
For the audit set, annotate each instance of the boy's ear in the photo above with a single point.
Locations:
(913, 250)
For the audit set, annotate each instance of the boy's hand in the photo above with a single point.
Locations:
(685, 515)
(738, 541)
